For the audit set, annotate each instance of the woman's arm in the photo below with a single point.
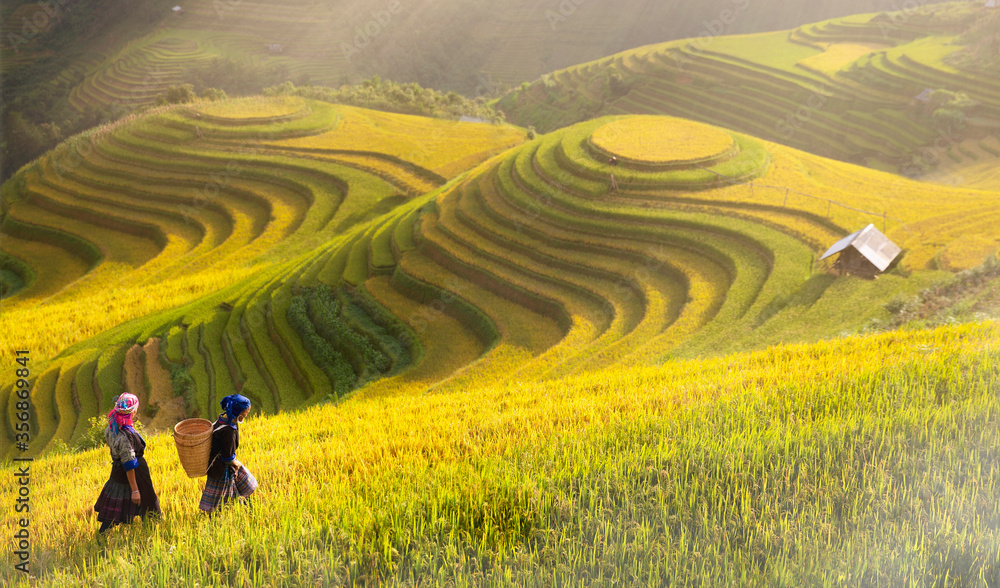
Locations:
(121, 448)
(136, 497)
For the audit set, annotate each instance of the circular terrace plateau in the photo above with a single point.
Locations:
(255, 109)
(661, 141)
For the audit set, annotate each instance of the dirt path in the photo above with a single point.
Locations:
(135, 379)
(142, 364)
(171, 408)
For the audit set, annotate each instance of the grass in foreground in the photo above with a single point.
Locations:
(859, 461)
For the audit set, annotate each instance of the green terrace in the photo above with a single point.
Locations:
(195, 189)
(765, 84)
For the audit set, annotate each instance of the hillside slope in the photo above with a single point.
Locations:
(93, 63)
(868, 460)
(859, 88)
(169, 222)
(299, 250)
(458, 45)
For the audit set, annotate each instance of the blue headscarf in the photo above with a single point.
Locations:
(234, 405)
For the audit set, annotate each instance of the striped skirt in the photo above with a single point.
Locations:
(231, 487)
(114, 504)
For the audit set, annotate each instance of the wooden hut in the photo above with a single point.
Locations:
(866, 253)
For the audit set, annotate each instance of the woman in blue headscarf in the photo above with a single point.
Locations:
(228, 479)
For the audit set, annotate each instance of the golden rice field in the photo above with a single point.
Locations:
(125, 291)
(473, 362)
(980, 171)
(837, 56)
(254, 107)
(655, 139)
(798, 462)
(444, 147)
(598, 278)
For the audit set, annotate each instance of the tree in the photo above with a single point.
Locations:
(214, 94)
(949, 109)
(181, 94)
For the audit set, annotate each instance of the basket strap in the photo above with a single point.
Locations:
(219, 428)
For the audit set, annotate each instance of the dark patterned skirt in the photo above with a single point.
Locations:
(114, 504)
(231, 487)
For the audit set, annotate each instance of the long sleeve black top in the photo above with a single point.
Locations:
(225, 442)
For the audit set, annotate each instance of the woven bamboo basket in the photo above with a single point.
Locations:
(193, 438)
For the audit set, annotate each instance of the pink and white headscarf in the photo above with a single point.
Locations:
(122, 412)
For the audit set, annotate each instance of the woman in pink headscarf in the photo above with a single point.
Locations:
(129, 490)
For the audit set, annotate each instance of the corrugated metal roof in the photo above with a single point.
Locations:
(840, 245)
(870, 242)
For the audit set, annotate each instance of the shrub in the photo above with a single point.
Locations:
(181, 94)
(93, 437)
(214, 94)
(389, 96)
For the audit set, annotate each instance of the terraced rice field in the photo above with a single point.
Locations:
(270, 246)
(202, 203)
(20, 29)
(843, 88)
(482, 360)
(294, 38)
(972, 163)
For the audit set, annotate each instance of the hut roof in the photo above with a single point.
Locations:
(871, 243)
